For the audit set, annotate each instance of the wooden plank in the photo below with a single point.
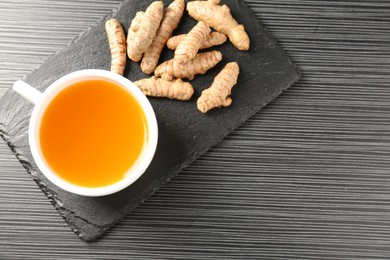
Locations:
(31, 31)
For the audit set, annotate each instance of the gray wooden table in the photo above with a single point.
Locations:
(306, 178)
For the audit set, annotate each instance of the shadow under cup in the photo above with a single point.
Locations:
(83, 133)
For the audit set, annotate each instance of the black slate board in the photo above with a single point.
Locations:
(184, 133)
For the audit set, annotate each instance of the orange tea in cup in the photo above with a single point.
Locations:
(92, 133)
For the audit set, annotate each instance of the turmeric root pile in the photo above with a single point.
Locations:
(152, 29)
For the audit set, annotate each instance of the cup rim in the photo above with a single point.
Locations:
(57, 87)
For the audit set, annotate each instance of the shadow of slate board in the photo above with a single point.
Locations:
(184, 132)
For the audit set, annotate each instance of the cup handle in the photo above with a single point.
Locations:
(27, 91)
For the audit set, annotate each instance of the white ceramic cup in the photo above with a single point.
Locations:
(41, 102)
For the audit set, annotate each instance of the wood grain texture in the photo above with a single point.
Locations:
(307, 178)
